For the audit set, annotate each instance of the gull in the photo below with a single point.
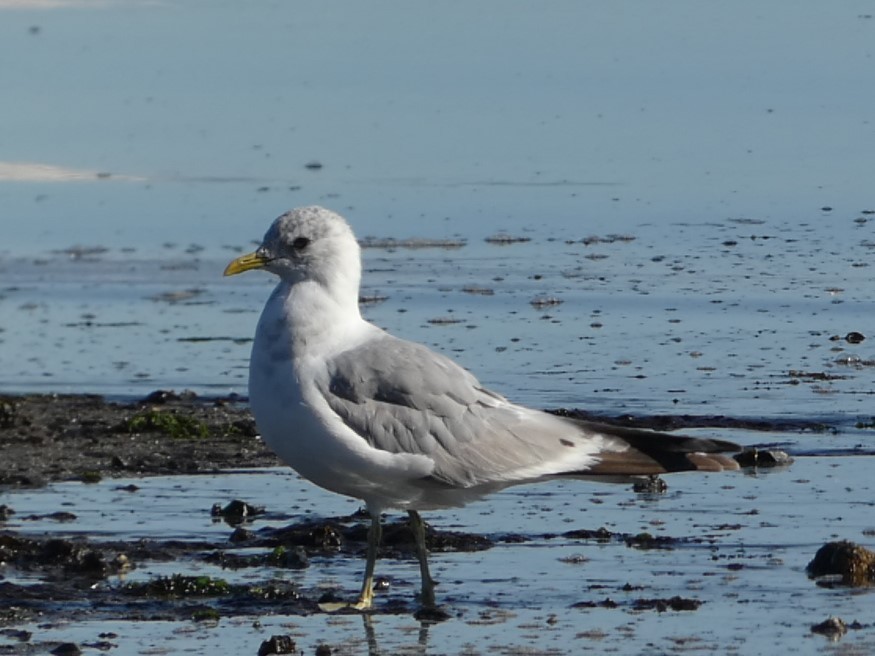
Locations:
(365, 414)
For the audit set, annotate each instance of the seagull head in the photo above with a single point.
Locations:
(307, 244)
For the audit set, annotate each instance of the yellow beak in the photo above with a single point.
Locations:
(246, 263)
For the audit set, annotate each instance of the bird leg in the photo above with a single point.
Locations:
(375, 536)
(429, 612)
(418, 527)
(366, 596)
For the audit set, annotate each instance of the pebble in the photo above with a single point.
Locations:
(278, 644)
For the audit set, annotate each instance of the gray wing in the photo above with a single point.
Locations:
(402, 397)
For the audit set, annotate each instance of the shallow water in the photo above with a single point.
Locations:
(721, 155)
(744, 320)
(744, 561)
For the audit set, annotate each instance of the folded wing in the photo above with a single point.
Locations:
(402, 397)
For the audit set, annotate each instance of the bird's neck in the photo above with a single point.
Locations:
(320, 318)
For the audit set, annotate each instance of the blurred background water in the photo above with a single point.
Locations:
(193, 122)
(146, 143)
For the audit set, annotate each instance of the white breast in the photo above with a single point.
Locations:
(297, 424)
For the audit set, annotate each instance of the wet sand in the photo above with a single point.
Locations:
(46, 438)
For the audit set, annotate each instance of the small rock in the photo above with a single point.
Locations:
(159, 397)
(381, 584)
(236, 512)
(323, 650)
(853, 564)
(67, 649)
(651, 485)
(763, 458)
(854, 337)
(832, 627)
(278, 644)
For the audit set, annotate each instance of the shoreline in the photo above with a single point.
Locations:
(48, 438)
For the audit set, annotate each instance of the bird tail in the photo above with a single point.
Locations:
(637, 452)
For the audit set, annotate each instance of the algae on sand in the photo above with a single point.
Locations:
(175, 425)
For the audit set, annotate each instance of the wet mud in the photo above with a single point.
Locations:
(47, 438)
(83, 579)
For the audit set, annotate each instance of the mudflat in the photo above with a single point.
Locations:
(46, 438)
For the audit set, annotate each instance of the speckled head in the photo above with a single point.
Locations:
(306, 243)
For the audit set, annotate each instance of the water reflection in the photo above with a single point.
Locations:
(374, 649)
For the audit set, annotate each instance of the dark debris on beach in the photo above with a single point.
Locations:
(46, 438)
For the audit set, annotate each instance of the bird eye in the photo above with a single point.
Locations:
(300, 243)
